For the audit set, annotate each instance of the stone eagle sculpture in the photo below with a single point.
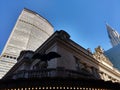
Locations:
(46, 57)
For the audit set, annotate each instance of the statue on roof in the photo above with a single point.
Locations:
(99, 50)
(99, 55)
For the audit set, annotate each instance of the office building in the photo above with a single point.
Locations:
(29, 32)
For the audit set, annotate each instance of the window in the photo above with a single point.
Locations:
(77, 63)
(4, 55)
(7, 56)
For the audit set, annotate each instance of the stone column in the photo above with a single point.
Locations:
(95, 72)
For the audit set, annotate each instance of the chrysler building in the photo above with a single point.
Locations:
(113, 35)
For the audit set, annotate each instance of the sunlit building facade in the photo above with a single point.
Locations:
(113, 36)
(29, 32)
(76, 68)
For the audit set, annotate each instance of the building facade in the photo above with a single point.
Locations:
(107, 71)
(75, 61)
(114, 53)
(113, 36)
(29, 32)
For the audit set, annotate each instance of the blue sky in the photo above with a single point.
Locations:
(84, 20)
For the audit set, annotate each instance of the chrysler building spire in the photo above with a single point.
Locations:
(113, 35)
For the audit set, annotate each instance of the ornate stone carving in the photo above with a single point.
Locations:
(99, 55)
(99, 49)
(25, 54)
(44, 58)
(63, 35)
